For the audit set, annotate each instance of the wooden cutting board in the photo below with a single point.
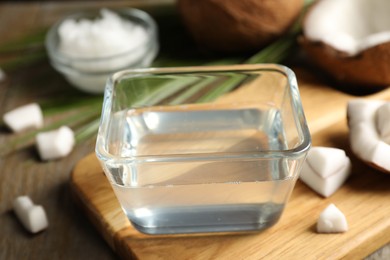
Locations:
(364, 199)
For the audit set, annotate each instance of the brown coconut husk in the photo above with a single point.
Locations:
(238, 25)
(368, 69)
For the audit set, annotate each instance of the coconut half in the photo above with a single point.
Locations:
(350, 39)
(233, 26)
(369, 131)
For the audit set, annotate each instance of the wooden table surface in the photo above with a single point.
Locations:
(70, 234)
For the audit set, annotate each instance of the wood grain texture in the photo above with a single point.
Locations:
(364, 199)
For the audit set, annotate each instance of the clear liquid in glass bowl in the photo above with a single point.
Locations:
(206, 149)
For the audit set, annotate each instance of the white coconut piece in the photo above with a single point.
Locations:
(21, 118)
(325, 170)
(380, 156)
(350, 26)
(55, 144)
(332, 220)
(383, 122)
(326, 160)
(33, 217)
(369, 131)
(21, 204)
(358, 110)
(363, 139)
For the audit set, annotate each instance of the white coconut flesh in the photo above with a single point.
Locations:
(350, 26)
(24, 117)
(369, 126)
(33, 217)
(332, 220)
(325, 169)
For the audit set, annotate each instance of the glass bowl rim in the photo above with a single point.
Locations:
(298, 112)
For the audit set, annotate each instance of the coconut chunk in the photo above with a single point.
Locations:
(55, 144)
(22, 203)
(363, 139)
(369, 131)
(332, 220)
(380, 156)
(358, 110)
(325, 170)
(33, 217)
(21, 118)
(326, 160)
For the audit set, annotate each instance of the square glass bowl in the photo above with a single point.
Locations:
(203, 149)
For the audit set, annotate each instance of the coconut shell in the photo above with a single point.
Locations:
(368, 69)
(376, 167)
(238, 25)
